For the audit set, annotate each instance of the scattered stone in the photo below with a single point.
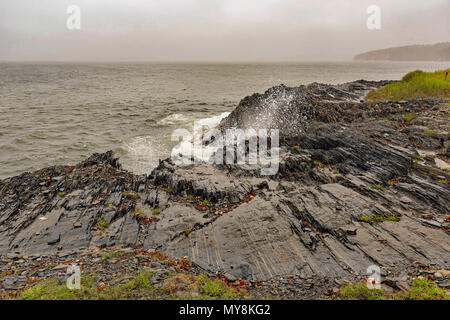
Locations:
(438, 276)
(155, 265)
(53, 238)
(431, 223)
(405, 200)
(60, 266)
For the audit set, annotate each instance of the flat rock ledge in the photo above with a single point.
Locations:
(359, 184)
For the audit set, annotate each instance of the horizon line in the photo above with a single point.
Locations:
(213, 61)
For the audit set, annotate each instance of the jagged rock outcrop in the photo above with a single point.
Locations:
(291, 110)
(358, 184)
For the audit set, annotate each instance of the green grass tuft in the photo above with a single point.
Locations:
(138, 287)
(360, 292)
(102, 223)
(424, 289)
(139, 212)
(113, 254)
(379, 218)
(421, 289)
(216, 289)
(318, 164)
(168, 190)
(408, 118)
(187, 231)
(132, 195)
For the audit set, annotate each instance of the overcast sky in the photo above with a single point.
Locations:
(214, 30)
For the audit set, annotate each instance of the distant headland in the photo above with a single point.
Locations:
(435, 52)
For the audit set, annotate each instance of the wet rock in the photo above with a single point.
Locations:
(293, 109)
(445, 284)
(351, 192)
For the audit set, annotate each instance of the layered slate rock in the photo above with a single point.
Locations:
(61, 207)
(358, 185)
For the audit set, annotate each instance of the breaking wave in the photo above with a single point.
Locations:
(142, 154)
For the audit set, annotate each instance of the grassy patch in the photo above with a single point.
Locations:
(421, 289)
(61, 194)
(168, 190)
(53, 290)
(318, 164)
(216, 289)
(138, 287)
(131, 195)
(102, 223)
(415, 84)
(424, 289)
(187, 231)
(139, 212)
(379, 218)
(360, 292)
(407, 118)
(6, 273)
(111, 255)
(156, 211)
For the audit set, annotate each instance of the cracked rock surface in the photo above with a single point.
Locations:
(358, 184)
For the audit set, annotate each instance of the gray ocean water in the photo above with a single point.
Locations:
(60, 113)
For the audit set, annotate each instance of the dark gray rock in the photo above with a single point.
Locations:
(345, 165)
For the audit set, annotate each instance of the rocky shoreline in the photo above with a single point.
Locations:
(359, 184)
